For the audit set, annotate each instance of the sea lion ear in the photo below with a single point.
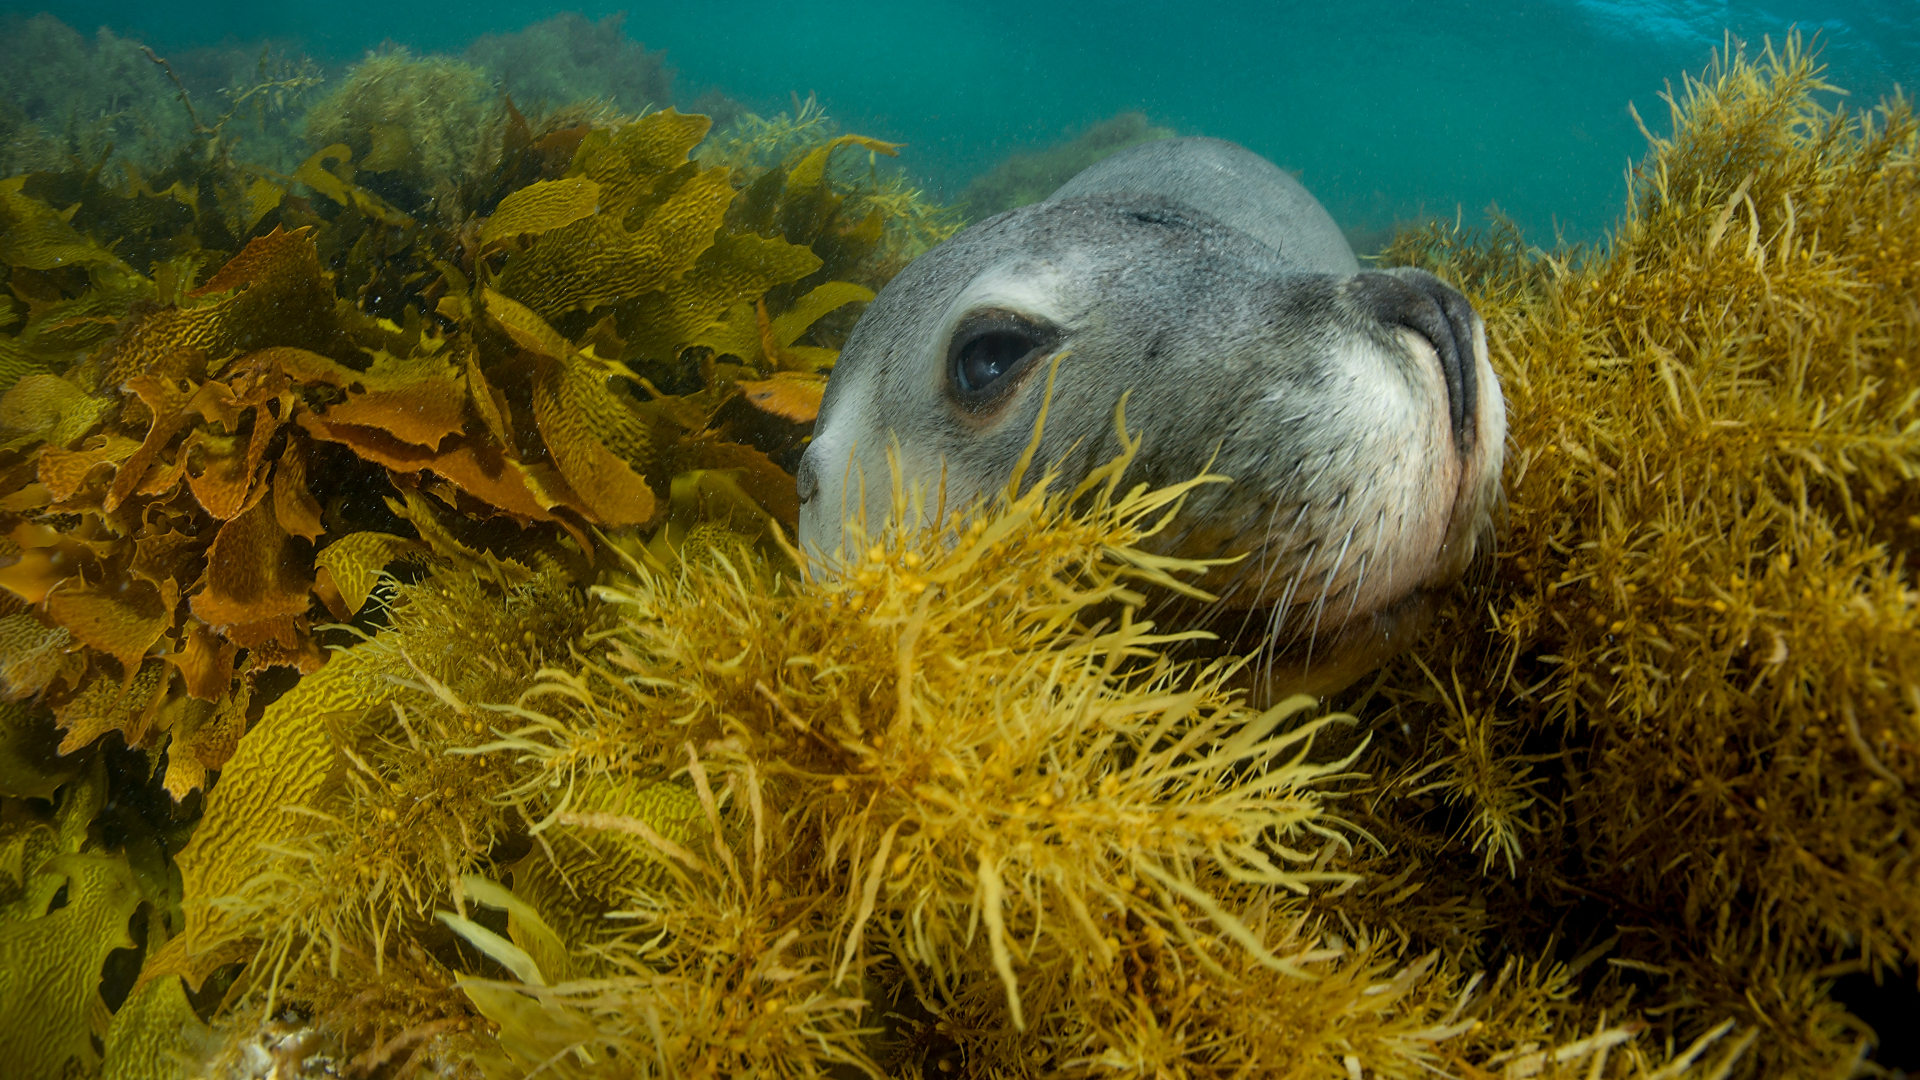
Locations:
(806, 480)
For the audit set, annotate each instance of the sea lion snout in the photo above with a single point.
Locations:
(1355, 411)
(1416, 300)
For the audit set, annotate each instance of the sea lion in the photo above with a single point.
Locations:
(1355, 410)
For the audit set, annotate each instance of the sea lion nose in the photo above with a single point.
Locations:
(1418, 301)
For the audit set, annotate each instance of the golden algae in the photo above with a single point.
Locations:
(1689, 704)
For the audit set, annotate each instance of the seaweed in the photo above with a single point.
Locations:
(79, 99)
(1696, 667)
(111, 101)
(236, 399)
(1030, 177)
(568, 59)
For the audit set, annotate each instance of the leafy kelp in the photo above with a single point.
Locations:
(232, 399)
(593, 782)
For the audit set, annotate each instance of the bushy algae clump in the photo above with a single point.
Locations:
(67, 96)
(404, 576)
(1688, 708)
(425, 117)
(754, 825)
(568, 59)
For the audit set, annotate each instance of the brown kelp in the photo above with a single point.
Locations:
(398, 556)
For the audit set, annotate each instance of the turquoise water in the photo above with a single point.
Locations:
(1388, 111)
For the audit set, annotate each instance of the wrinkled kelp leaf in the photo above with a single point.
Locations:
(274, 286)
(156, 1035)
(280, 766)
(50, 966)
(603, 259)
(542, 207)
(351, 566)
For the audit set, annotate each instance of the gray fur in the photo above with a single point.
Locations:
(1213, 287)
(1234, 186)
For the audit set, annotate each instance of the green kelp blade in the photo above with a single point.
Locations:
(283, 763)
(501, 951)
(30, 764)
(525, 925)
(156, 1035)
(535, 1033)
(50, 968)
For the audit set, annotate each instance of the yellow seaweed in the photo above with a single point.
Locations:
(50, 966)
(542, 207)
(156, 1035)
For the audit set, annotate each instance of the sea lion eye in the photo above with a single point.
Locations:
(987, 357)
(989, 346)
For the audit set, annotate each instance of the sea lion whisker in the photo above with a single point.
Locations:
(1365, 561)
(1326, 590)
(1277, 614)
(1293, 589)
(1359, 582)
(1269, 562)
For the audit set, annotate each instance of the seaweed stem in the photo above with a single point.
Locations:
(185, 98)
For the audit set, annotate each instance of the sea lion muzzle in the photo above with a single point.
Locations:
(1424, 304)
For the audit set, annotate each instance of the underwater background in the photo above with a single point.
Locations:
(1388, 111)
(404, 671)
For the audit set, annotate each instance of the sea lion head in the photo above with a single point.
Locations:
(1354, 410)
